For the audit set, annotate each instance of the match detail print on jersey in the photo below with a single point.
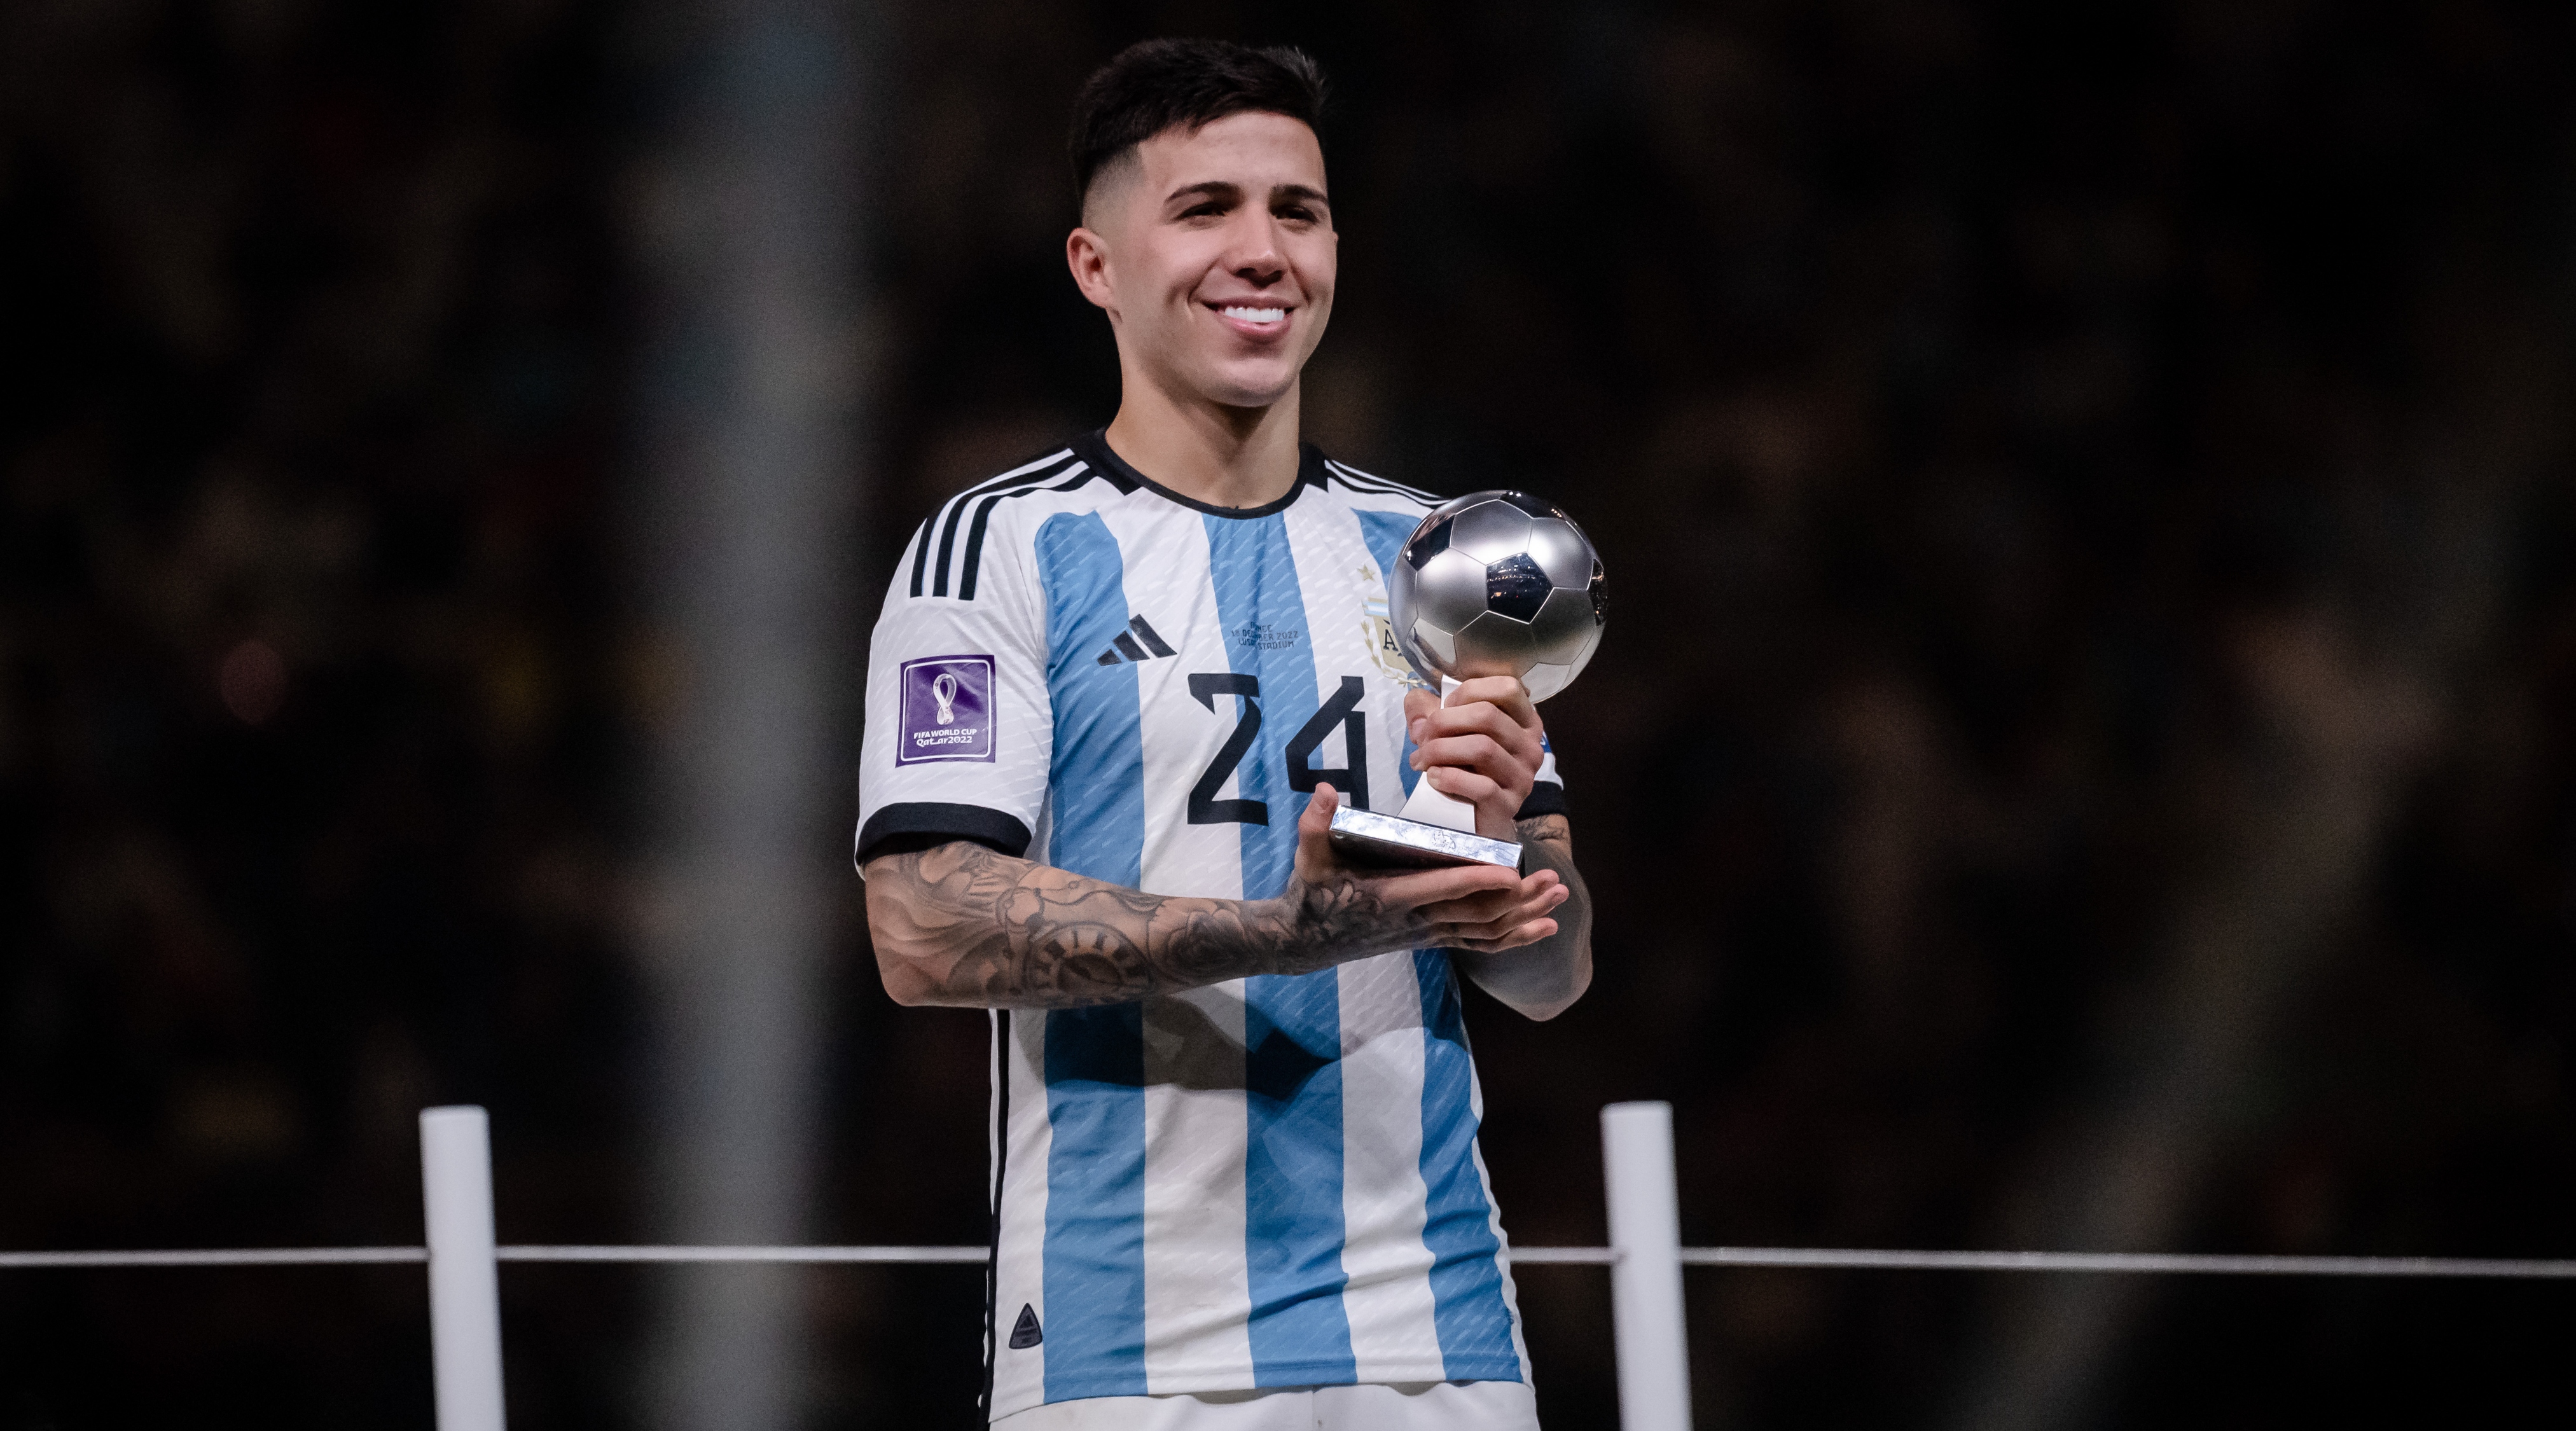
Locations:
(1267, 1182)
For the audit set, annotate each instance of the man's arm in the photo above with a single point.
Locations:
(1483, 746)
(964, 925)
(1543, 978)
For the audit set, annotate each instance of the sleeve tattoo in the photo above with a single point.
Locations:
(963, 924)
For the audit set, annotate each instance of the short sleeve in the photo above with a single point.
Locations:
(959, 726)
(1547, 791)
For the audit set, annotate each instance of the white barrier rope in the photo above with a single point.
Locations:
(218, 1257)
(2132, 1262)
(2545, 1269)
(1576, 1256)
(1645, 1264)
(743, 1254)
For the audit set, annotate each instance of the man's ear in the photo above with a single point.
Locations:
(1087, 254)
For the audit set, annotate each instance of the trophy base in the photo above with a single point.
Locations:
(1365, 837)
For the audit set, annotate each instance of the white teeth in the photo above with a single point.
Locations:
(1255, 315)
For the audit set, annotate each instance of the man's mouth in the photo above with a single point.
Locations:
(1249, 313)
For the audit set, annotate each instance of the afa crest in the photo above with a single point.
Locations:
(1378, 629)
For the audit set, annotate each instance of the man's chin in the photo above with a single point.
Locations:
(1253, 392)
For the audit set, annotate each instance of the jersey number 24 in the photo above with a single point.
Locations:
(1342, 710)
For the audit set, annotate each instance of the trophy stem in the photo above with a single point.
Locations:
(1430, 807)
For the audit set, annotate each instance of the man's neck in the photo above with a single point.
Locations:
(1225, 457)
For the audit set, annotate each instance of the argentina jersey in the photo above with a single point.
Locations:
(1264, 1183)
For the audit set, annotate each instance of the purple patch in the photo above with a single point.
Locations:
(947, 709)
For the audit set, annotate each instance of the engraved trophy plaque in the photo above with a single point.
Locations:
(1492, 584)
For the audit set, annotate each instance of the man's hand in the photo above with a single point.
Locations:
(1482, 747)
(1482, 908)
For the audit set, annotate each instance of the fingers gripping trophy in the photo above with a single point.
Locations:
(1492, 584)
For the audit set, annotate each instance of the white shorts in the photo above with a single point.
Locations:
(1407, 1406)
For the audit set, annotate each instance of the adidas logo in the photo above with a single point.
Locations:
(1024, 1332)
(1127, 646)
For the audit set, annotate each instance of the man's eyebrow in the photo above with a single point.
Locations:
(1228, 189)
(1207, 188)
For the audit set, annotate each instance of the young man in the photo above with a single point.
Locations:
(1113, 700)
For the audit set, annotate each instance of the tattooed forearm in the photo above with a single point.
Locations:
(963, 924)
(1543, 979)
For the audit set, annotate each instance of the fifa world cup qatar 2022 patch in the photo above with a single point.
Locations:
(947, 709)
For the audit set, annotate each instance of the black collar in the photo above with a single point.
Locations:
(1093, 447)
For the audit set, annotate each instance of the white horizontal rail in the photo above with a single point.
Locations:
(2546, 1269)
(744, 1254)
(218, 1257)
(1645, 1264)
(2131, 1262)
(1576, 1256)
(326, 1256)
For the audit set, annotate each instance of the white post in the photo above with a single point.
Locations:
(464, 1280)
(1646, 1281)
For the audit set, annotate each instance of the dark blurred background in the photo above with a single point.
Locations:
(2087, 758)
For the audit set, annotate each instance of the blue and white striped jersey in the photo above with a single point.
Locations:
(1268, 1182)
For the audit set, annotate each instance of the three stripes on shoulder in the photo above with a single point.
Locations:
(1059, 471)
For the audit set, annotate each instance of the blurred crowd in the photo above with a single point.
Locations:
(2082, 757)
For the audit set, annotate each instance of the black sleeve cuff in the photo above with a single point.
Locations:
(897, 829)
(1545, 798)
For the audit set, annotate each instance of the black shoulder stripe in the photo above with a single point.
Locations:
(1081, 472)
(1390, 489)
(1021, 477)
(947, 542)
(921, 549)
(1359, 481)
(1374, 482)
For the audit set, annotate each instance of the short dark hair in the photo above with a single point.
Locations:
(1156, 85)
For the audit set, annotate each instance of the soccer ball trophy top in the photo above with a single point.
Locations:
(1492, 584)
(1499, 584)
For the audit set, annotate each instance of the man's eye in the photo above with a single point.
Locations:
(1206, 210)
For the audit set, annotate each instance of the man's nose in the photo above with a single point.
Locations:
(1255, 255)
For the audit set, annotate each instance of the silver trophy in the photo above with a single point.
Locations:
(1492, 584)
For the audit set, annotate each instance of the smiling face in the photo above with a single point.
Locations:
(1213, 253)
